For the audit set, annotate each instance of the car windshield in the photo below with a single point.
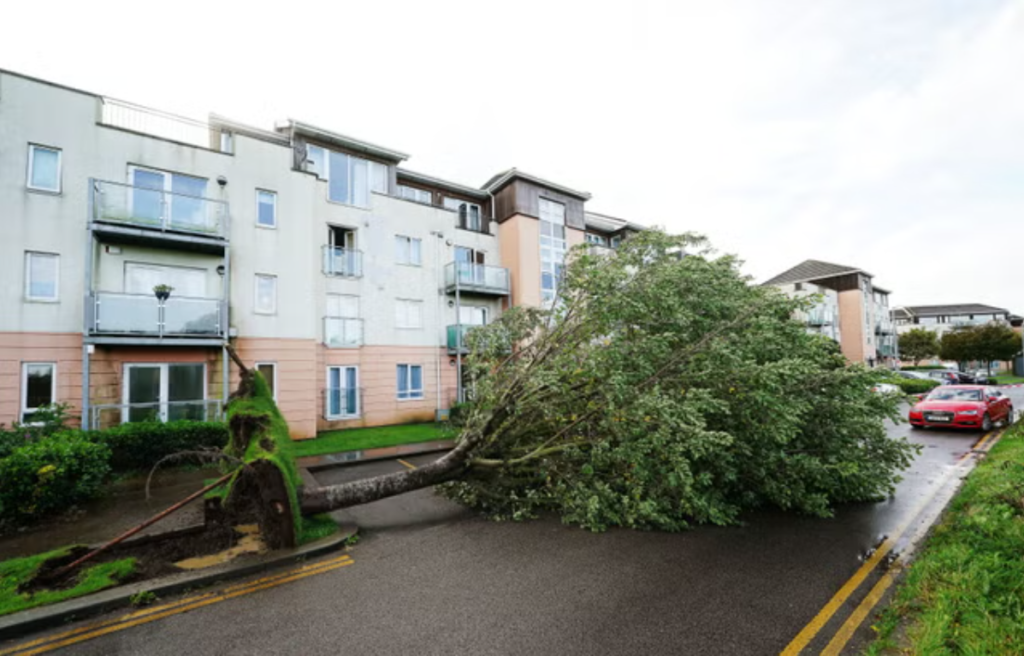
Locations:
(946, 394)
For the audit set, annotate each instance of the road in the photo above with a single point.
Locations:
(431, 578)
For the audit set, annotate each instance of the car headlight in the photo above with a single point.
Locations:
(968, 412)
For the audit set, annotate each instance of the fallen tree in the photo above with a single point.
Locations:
(662, 389)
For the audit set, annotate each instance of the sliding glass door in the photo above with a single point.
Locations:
(342, 392)
(164, 392)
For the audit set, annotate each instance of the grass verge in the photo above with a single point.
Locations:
(316, 527)
(17, 571)
(1008, 379)
(964, 594)
(354, 439)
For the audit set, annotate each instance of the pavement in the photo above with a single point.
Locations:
(432, 578)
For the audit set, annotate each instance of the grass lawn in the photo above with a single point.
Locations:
(368, 438)
(1009, 379)
(16, 571)
(964, 594)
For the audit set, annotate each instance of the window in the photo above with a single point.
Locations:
(418, 195)
(552, 247)
(596, 240)
(408, 314)
(343, 305)
(44, 166)
(410, 381)
(266, 208)
(269, 372)
(342, 327)
(408, 250)
(38, 387)
(470, 315)
(266, 294)
(164, 392)
(379, 177)
(42, 276)
(178, 200)
(342, 392)
(316, 160)
(227, 142)
(798, 286)
(469, 213)
(348, 179)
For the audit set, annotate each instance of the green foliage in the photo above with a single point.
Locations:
(957, 345)
(50, 475)
(316, 527)
(354, 439)
(140, 445)
(45, 421)
(16, 571)
(918, 344)
(963, 592)
(987, 343)
(664, 390)
(352, 540)
(914, 385)
(143, 598)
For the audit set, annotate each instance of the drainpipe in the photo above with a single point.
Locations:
(439, 277)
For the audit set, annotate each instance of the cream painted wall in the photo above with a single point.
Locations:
(851, 324)
(519, 237)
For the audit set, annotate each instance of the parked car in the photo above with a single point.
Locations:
(962, 406)
(885, 388)
(915, 375)
(945, 376)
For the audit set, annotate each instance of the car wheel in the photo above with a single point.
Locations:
(986, 423)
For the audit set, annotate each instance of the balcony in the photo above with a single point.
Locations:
(344, 262)
(163, 125)
(467, 277)
(158, 211)
(343, 333)
(143, 315)
(457, 339)
(342, 403)
(114, 414)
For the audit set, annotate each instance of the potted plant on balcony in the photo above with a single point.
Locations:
(163, 292)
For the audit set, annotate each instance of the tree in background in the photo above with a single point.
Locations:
(958, 345)
(918, 344)
(660, 390)
(995, 342)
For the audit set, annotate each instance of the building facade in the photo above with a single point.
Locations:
(942, 318)
(139, 244)
(851, 309)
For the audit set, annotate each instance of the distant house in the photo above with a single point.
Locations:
(853, 310)
(941, 318)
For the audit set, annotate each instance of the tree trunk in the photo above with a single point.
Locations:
(334, 497)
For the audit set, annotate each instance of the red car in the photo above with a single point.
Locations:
(962, 406)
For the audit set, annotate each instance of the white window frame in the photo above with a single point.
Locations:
(376, 169)
(32, 163)
(28, 277)
(327, 386)
(411, 394)
(256, 294)
(556, 247)
(404, 250)
(266, 363)
(273, 197)
(408, 302)
(350, 172)
(24, 409)
(416, 194)
(165, 389)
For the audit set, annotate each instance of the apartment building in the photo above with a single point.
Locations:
(139, 244)
(852, 310)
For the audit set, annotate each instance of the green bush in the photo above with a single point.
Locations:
(140, 445)
(915, 385)
(45, 421)
(49, 475)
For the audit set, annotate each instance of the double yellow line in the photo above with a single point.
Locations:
(154, 613)
(845, 633)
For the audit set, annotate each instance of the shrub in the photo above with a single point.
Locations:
(140, 445)
(47, 476)
(915, 385)
(46, 421)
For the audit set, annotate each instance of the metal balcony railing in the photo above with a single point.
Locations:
(459, 341)
(158, 209)
(342, 403)
(145, 315)
(129, 116)
(114, 414)
(482, 278)
(342, 262)
(342, 332)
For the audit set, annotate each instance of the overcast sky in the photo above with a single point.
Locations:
(883, 134)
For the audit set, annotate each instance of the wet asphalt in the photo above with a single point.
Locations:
(432, 578)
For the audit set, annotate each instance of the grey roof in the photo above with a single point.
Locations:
(813, 270)
(951, 310)
(336, 138)
(501, 179)
(444, 184)
(607, 223)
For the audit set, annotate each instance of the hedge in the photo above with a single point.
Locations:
(915, 385)
(51, 474)
(140, 445)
